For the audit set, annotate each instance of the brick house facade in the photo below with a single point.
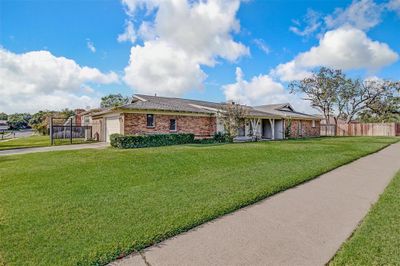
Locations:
(200, 126)
(304, 128)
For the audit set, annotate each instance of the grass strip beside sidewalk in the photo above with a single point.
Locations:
(377, 240)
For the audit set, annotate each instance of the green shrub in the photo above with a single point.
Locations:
(205, 141)
(222, 137)
(141, 141)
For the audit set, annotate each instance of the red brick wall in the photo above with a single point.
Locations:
(307, 129)
(200, 126)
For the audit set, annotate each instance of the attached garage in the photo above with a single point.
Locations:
(112, 126)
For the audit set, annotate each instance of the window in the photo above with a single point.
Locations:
(313, 123)
(172, 124)
(150, 120)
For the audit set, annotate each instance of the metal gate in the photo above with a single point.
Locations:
(62, 130)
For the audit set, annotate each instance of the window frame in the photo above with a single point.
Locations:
(153, 120)
(176, 127)
(313, 124)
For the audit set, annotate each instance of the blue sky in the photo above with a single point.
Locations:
(58, 54)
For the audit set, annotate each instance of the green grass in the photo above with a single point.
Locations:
(34, 141)
(90, 206)
(377, 240)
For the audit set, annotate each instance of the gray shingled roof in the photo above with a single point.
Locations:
(147, 102)
(179, 104)
(279, 110)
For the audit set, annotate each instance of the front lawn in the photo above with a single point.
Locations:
(90, 206)
(377, 240)
(34, 141)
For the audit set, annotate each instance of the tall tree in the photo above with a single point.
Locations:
(19, 120)
(40, 121)
(358, 96)
(66, 113)
(385, 107)
(321, 89)
(3, 116)
(113, 100)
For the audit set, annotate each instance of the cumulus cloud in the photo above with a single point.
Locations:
(37, 79)
(182, 37)
(344, 48)
(160, 67)
(54, 101)
(260, 90)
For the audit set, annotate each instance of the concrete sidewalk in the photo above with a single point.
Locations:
(98, 145)
(305, 225)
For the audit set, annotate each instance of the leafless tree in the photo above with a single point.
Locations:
(233, 115)
(321, 89)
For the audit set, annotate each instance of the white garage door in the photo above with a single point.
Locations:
(112, 127)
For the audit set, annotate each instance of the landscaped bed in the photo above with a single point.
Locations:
(377, 240)
(91, 206)
(34, 141)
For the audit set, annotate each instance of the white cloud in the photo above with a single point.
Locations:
(360, 14)
(192, 33)
(290, 71)
(53, 101)
(344, 48)
(90, 45)
(146, 31)
(129, 33)
(312, 19)
(30, 80)
(260, 90)
(162, 68)
(262, 45)
(363, 14)
(133, 5)
(394, 5)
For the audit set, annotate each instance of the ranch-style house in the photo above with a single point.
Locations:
(155, 115)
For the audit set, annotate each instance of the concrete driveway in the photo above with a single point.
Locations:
(305, 225)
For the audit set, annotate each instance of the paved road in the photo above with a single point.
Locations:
(20, 134)
(305, 225)
(23, 133)
(98, 145)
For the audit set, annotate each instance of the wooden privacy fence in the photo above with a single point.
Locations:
(362, 129)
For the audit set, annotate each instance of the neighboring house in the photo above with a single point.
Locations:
(3, 125)
(77, 119)
(155, 115)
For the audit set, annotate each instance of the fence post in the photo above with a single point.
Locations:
(70, 131)
(51, 131)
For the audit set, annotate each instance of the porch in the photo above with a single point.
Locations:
(263, 129)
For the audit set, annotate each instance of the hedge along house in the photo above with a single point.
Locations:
(162, 115)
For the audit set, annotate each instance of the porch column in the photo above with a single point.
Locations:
(272, 122)
(255, 123)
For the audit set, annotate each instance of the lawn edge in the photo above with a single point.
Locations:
(123, 253)
(361, 222)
